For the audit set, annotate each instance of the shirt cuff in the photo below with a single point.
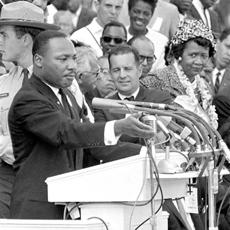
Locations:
(6, 150)
(109, 135)
(143, 151)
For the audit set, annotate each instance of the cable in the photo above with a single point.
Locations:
(98, 218)
(135, 203)
(142, 223)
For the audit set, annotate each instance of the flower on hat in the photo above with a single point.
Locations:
(191, 28)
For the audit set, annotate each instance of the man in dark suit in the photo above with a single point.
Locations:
(126, 69)
(221, 73)
(46, 131)
(200, 10)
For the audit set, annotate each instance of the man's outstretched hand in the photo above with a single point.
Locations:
(132, 126)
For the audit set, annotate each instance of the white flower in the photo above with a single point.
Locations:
(206, 97)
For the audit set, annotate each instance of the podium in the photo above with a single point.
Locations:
(103, 189)
(9, 224)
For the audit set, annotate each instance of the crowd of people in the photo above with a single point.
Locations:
(56, 56)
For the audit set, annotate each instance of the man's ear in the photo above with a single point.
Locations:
(96, 4)
(38, 60)
(28, 40)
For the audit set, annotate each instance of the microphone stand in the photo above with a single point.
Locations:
(151, 151)
(199, 131)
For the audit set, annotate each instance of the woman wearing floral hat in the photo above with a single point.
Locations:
(189, 51)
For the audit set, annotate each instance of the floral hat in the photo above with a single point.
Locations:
(191, 28)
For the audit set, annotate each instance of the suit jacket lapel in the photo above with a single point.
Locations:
(141, 94)
(44, 89)
(49, 94)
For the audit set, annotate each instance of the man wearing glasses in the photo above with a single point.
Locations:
(114, 34)
(146, 51)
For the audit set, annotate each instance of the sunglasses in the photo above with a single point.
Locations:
(108, 39)
(149, 59)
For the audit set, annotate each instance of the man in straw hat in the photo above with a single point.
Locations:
(20, 22)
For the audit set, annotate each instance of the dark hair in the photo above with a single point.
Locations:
(152, 3)
(21, 30)
(224, 34)
(177, 50)
(116, 24)
(124, 49)
(43, 38)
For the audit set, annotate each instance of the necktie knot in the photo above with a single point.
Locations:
(131, 98)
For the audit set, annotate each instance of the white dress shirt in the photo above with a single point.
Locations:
(90, 35)
(214, 75)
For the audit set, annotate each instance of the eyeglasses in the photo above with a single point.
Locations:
(108, 39)
(148, 58)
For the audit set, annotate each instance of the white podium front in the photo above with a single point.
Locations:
(9, 224)
(102, 188)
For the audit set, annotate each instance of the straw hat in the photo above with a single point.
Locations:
(23, 13)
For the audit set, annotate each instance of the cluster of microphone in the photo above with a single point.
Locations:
(186, 126)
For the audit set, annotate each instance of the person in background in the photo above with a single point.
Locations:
(191, 47)
(114, 34)
(107, 11)
(46, 131)
(140, 13)
(20, 22)
(63, 19)
(221, 72)
(183, 7)
(81, 16)
(207, 73)
(87, 72)
(165, 19)
(146, 51)
(201, 10)
(125, 68)
(104, 82)
(222, 8)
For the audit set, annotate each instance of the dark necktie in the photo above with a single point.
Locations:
(65, 103)
(217, 84)
(129, 98)
(25, 73)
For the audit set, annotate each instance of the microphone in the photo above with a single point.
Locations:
(102, 103)
(124, 107)
(183, 132)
